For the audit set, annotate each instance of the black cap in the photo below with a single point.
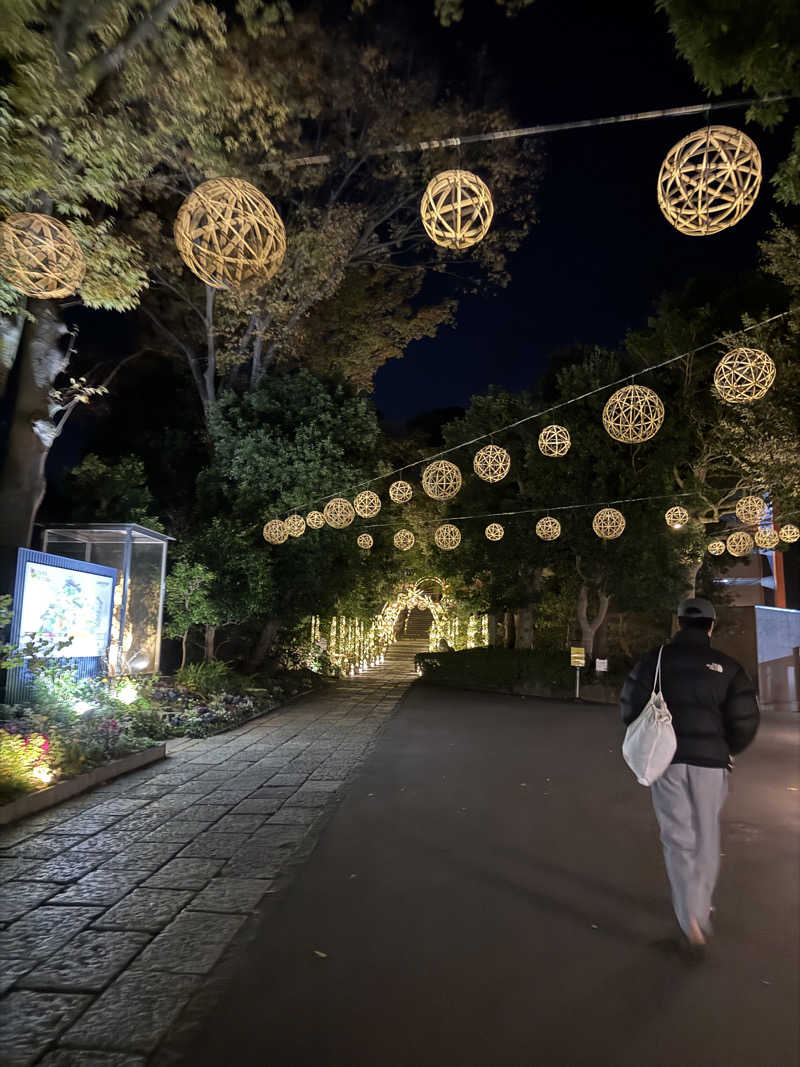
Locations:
(696, 608)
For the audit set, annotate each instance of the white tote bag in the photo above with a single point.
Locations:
(650, 740)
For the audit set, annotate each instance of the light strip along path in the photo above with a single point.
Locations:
(114, 905)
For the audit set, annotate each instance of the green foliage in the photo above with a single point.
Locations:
(206, 678)
(113, 492)
(188, 598)
(499, 669)
(20, 756)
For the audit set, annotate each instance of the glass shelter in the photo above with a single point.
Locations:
(139, 556)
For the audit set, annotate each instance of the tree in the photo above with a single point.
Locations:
(188, 602)
(112, 492)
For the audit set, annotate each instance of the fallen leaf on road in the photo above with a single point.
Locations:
(353, 876)
(523, 784)
(595, 926)
(320, 955)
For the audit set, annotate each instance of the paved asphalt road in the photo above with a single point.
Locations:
(490, 893)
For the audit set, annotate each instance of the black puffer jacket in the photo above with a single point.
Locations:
(711, 699)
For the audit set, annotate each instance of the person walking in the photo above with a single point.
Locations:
(715, 717)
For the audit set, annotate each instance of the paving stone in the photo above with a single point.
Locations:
(214, 846)
(14, 866)
(322, 785)
(241, 895)
(309, 799)
(276, 837)
(294, 817)
(119, 806)
(191, 944)
(257, 806)
(43, 931)
(149, 790)
(101, 887)
(228, 797)
(181, 832)
(143, 856)
(238, 823)
(11, 970)
(30, 1021)
(46, 845)
(86, 824)
(195, 788)
(262, 864)
(145, 909)
(133, 1014)
(274, 792)
(207, 812)
(142, 822)
(66, 868)
(16, 898)
(13, 835)
(182, 873)
(109, 842)
(88, 962)
(81, 1058)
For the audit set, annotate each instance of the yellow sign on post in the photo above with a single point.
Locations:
(577, 657)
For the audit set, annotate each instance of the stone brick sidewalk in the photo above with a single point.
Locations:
(114, 905)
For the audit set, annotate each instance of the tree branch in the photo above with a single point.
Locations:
(139, 34)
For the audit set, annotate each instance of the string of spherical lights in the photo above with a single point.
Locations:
(494, 532)
(491, 463)
(295, 525)
(400, 492)
(367, 504)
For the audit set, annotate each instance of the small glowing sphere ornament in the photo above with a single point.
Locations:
(447, 536)
(315, 519)
(789, 533)
(633, 414)
(548, 528)
(39, 256)
(456, 209)
(676, 517)
(744, 375)
(275, 532)
(608, 523)
(338, 513)
(492, 463)
(554, 441)
(709, 180)
(229, 234)
(295, 525)
(494, 531)
(441, 479)
(740, 543)
(400, 492)
(403, 539)
(364, 541)
(751, 509)
(766, 538)
(367, 504)
(716, 548)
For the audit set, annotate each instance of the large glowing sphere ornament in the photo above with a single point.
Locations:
(709, 180)
(744, 375)
(456, 209)
(403, 539)
(295, 525)
(494, 531)
(751, 509)
(767, 538)
(740, 543)
(441, 479)
(364, 541)
(554, 440)
(676, 517)
(447, 536)
(789, 533)
(338, 512)
(633, 414)
(315, 520)
(275, 532)
(39, 256)
(367, 504)
(548, 528)
(400, 492)
(492, 463)
(608, 523)
(229, 234)
(716, 548)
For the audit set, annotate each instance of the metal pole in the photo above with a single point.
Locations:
(577, 683)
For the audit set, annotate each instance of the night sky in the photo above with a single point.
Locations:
(601, 253)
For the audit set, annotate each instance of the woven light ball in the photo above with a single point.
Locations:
(634, 413)
(229, 234)
(441, 479)
(494, 531)
(789, 533)
(739, 543)
(716, 548)
(491, 463)
(400, 492)
(338, 512)
(367, 504)
(767, 538)
(403, 539)
(608, 523)
(315, 519)
(751, 509)
(364, 540)
(709, 180)
(447, 536)
(744, 375)
(548, 528)
(554, 441)
(676, 517)
(456, 209)
(295, 525)
(275, 532)
(39, 256)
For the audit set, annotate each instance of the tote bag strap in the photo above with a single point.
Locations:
(657, 679)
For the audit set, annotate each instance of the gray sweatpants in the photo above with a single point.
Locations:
(688, 801)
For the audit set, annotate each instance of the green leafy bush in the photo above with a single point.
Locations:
(211, 677)
(497, 668)
(25, 763)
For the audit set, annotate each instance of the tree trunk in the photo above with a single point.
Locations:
(589, 626)
(211, 636)
(10, 334)
(262, 646)
(510, 635)
(492, 630)
(32, 431)
(692, 570)
(184, 640)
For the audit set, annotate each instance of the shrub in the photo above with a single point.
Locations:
(211, 677)
(23, 758)
(497, 668)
